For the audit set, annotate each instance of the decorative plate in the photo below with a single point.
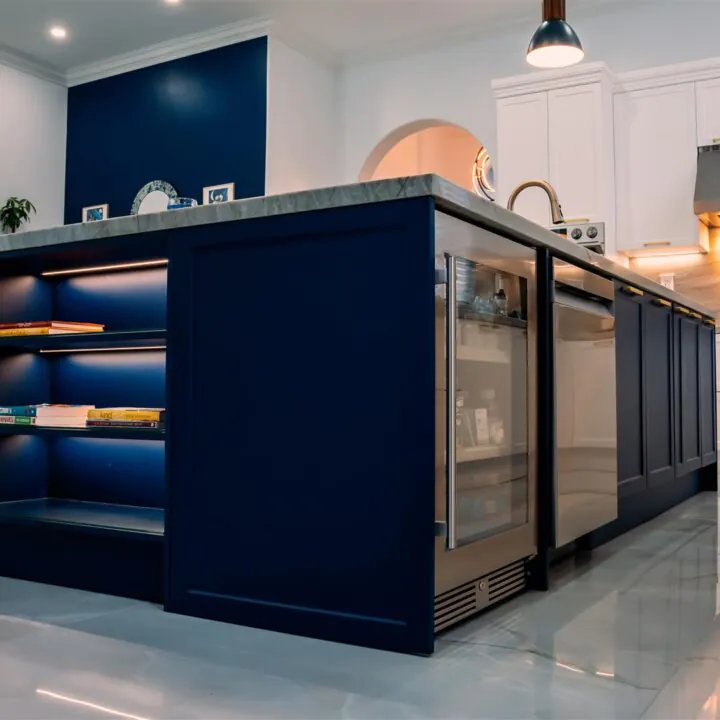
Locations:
(154, 185)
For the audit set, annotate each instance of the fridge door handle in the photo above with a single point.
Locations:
(451, 371)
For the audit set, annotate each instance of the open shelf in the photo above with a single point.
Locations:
(487, 452)
(84, 516)
(86, 341)
(115, 433)
(479, 354)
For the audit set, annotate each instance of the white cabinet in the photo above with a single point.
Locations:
(656, 162)
(580, 129)
(708, 111)
(558, 126)
(523, 152)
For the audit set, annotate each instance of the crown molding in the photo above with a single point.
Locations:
(545, 80)
(30, 67)
(656, 77)
(169, 50)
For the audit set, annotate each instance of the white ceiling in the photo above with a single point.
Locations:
(101, 29)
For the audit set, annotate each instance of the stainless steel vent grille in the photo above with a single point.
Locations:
(462, 602)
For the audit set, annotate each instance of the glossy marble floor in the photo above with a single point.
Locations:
(632, 634)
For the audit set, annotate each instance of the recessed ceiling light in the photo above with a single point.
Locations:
(173, 2)
(58, 32)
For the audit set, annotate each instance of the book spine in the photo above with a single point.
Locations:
(16, 420)
(18, 410)
(89, 327)
(127, 424)
(19, 326)
(130, 415)
(20, 332)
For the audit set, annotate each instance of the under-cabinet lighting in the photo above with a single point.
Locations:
(88, 704)
(111, 349)
(106, 268)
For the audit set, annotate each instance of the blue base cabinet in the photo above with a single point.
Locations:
(303, 441)
(665, 407)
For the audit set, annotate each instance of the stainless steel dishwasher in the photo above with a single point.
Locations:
(585, 407)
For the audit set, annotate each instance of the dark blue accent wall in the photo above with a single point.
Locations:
(196, 121)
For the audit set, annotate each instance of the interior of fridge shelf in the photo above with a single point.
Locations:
(491, 396)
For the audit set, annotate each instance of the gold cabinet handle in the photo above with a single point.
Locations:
(657, 243)
(630, 290)
(709, 323)
(696, 315)
(661, 302)
(682, 310)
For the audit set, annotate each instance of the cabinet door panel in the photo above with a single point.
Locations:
(575, 138)
(687, 383)
(523, 153)
(708, 110)
(655, 176)
(657, 343)
(630, 407)
(706, 363)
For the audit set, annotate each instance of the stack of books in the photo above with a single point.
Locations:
(18, 415)
(48, 327)
(62, 416)
(128, 417)
(45, 415)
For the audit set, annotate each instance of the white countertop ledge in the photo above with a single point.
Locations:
(449, 197)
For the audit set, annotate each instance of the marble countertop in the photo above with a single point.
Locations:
(448, 196)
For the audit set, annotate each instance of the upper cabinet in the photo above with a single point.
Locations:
(524, 149)
(557, 126)
(656, 163)
(708, 111)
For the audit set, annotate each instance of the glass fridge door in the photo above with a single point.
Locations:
(487, 400)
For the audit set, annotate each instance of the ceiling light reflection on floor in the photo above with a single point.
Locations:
(87, 704)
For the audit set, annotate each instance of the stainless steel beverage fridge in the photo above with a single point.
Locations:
(486, 327)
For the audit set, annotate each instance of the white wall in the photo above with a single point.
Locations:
(303, 131)
(452, 83)
(33, 123)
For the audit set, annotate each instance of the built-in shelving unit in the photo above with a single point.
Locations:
(84, 507)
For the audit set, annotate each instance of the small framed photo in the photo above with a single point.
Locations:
(93, 213)
(218, 194)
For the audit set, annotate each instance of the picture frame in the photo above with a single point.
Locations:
(95, 213)
(216, 194)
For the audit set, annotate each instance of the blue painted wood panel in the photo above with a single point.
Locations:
(302, 384)
(196, 121)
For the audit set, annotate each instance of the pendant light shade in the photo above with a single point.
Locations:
(554, 44)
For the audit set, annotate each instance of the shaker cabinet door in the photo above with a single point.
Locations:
(708, 111)
(687, 395)
(523, 153)
(708, 409)
(630, 406)
(655, 178)
(657, 344)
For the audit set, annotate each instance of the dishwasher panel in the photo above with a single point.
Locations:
(585, 412)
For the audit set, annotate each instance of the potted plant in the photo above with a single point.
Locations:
(14, 213)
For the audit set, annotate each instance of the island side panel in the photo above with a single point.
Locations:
(301, 383)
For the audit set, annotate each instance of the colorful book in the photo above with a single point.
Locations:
(149, 424)
(54, 324)
(135, 414)
(26, 332)
(29, 410)
(16, 420)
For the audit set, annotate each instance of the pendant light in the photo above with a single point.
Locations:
(554, 44)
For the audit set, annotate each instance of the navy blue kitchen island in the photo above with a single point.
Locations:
(297, 342)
